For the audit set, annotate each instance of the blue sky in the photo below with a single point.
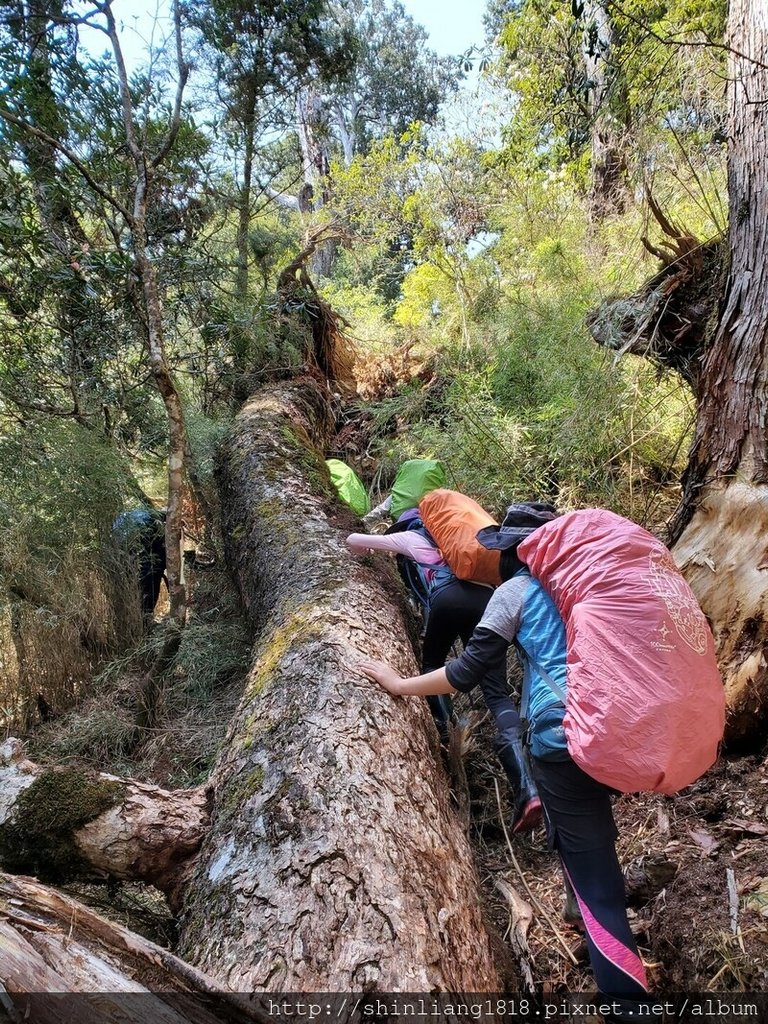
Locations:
(453, 25)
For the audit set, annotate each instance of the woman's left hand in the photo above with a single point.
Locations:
(381, 673)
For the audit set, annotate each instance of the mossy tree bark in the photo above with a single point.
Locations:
(335, 860)
(67, 823)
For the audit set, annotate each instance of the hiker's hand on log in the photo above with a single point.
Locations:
(382, 674)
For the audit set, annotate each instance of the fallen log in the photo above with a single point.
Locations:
(67, 823)
(335, 860)
(61, 961)
(331, 858)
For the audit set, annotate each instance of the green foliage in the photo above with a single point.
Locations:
(60, 485)
(469, 270)
(650, 81)
(522, 402)
(205, 436)
(197, 695)
(545, 415)
(66, 598)
(212, 655)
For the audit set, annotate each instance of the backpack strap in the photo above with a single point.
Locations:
(558, 691)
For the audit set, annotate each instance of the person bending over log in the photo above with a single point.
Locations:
(452, 608)
(577, 809)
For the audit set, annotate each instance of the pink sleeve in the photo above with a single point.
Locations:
(406, 543)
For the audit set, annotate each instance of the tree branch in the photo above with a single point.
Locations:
(183, 67)
(667, 41)
(122, 77)
(19, 122)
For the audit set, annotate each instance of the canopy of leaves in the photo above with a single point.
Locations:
(662, 73)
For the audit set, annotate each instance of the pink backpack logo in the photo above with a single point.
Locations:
(645, 705)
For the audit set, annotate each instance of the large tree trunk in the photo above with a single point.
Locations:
(721, 526)
(335, 859)
(723, 523)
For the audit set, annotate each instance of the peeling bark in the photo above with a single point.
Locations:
(723, 554)
(730, 430)
(67, 823)
(335, 859)
(51, 946)
(725, 487)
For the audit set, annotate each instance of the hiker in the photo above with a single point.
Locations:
(142, 532)
(577, 809)
(349, 487)
(452, 609)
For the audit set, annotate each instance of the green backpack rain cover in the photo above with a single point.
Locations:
(349, 486)
(414, 479)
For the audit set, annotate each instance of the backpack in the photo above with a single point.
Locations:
(414, 479)
(454, 519)
(349, 486)
(645, 703)
(422, 581)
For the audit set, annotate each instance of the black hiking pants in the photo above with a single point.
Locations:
(455, 611)
(581, 827)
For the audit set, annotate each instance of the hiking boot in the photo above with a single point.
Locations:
(441, 707)
(528, 815)
(526, 803)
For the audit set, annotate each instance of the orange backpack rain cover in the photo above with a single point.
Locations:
(453, 519)
(645, 707)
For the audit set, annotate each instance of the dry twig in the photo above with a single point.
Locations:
(524, 880)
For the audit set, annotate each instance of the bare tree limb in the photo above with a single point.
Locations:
(183, 67)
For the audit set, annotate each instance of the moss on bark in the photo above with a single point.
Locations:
(38, 839)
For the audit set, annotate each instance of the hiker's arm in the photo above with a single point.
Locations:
(485, 653)
(428, 685)
(409, 544)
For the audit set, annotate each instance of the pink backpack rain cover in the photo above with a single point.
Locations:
(645, 701)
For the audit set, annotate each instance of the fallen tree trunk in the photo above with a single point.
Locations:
(335, 861)
(65, 823)
(333, 857)
(61, 961)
